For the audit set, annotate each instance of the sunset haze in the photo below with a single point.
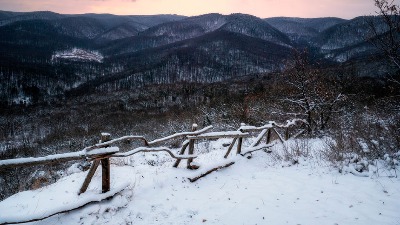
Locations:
(260, 8)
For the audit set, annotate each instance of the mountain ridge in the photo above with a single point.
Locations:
(162, 49)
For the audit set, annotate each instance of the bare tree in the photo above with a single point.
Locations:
(311, 93)
(385, 36)
(385, 32)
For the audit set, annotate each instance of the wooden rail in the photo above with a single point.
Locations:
(156, 149)
(58, 158)
(218, 135)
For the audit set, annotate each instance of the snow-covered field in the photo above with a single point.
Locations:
(260, 190)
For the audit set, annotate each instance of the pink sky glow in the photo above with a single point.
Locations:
(260, 8)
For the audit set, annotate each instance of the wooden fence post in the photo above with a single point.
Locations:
(176, 164)
(239, 145)
(191, 149)
(105, 167)
(89, 176)
(240, 141)
(230, 147)
(269, 136)
(287, 134)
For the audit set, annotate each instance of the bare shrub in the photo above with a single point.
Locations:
(293, 151)
(364, 140)
(335, 149)
(302, 147)
(39, 182)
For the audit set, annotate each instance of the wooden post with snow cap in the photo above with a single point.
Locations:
(105, 167)
(191, 150)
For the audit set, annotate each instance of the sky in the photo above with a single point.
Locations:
(261, 8)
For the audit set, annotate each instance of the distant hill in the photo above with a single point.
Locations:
(303, 29)
(46, 54)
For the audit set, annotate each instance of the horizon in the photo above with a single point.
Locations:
(259, 8)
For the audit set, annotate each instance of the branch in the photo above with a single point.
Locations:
(297, 134)
(292, 114)
(256, 148)
(394, 80)
(210, 171)
(290, 123)
(299, 102)
(279, 136)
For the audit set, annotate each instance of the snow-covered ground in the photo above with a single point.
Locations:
(259, 190)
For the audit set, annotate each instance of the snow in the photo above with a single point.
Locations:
(78, 54)
(24, 100)
(99, 151)
(269, 125)
(363, 145)
(260, 190)
(272, 124)
(49, 201)
(107, 143)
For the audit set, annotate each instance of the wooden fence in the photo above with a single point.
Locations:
(101, 153)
